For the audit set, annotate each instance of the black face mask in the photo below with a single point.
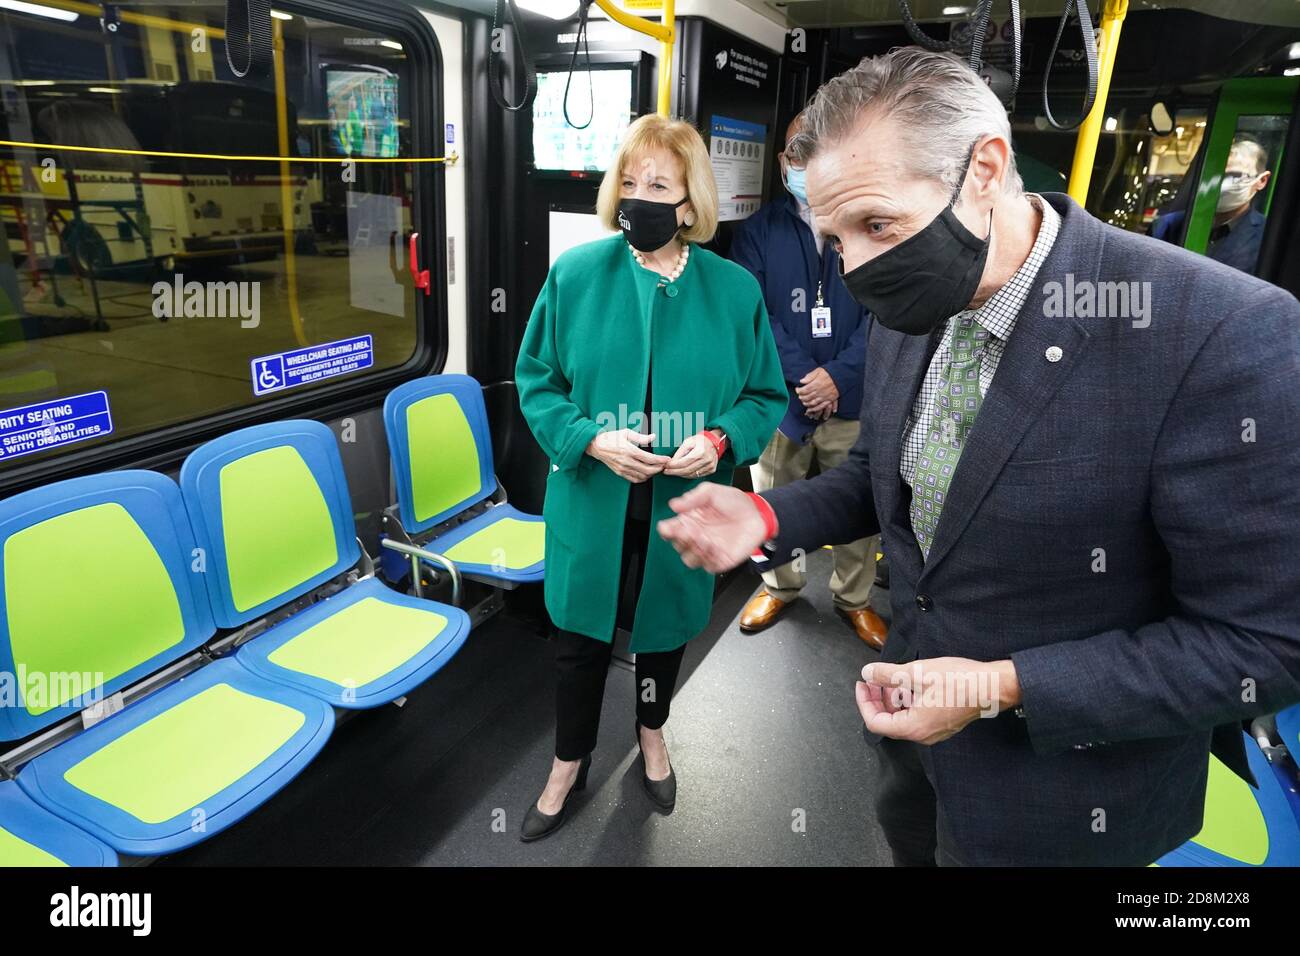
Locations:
(926, 278)
(648, 225)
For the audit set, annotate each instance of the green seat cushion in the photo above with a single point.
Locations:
(1234, 825)
(15, 851)
(276, 525)
(70, 634)
(444, 463)
(360, 643)
(185, 755)
(509, 543)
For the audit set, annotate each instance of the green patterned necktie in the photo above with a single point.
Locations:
(956, 402)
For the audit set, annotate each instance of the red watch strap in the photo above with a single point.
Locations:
(719, 444)
(770, 526)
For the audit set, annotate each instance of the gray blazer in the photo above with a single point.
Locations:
(1169, 447)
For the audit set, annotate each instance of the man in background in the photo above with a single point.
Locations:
(821, 333)
(1238, 228)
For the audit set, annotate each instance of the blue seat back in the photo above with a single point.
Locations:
(99, 590)
(440, 446)
(272, 513)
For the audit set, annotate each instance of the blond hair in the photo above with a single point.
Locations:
(679, 139)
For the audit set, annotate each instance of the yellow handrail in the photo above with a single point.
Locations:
(664, 32)
(1085, 147)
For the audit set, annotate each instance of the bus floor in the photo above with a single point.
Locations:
(764, 736)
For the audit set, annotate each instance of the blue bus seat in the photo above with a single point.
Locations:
(32, 836)
(1243, 825)
(441, 451)
(179, 764)
(272, 511)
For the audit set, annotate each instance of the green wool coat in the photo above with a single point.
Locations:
(601, 326)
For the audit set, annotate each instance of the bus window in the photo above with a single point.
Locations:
(155, 276)
(1222, 211)
(1242, 205)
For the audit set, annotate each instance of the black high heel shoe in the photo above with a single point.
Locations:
(663, 793)
(538, 824)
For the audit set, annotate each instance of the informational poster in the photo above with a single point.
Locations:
(737, 150)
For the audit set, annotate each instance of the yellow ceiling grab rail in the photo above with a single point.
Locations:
(665, 32)
(1085, 147)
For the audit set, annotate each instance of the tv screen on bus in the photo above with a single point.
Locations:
(362, 112)
(559, 147)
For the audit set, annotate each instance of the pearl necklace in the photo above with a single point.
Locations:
(677, 268)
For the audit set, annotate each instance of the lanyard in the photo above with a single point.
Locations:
(821, 260)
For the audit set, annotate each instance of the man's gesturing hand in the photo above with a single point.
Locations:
(716, 527)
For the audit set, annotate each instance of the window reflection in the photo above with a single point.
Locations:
(92, 235)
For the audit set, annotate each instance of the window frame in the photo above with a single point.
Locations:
(165, 448)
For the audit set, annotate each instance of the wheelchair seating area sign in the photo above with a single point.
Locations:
(274, 373)
(60, 421)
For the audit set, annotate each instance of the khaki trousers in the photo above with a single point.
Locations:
(784, 461)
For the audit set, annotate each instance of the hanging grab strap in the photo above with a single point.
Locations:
(580, 39)
(248, 37)
(504, 7)
(1080, 7)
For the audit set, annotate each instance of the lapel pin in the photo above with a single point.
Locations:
(1053, 353)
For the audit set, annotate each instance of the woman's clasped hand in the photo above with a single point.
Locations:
(625, 452)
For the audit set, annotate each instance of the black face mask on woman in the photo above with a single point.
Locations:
(648, 225)
(926, 278)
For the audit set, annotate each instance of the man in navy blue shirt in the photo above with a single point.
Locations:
(1238, 229)
(821, 333)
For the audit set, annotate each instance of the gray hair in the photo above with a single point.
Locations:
(940, 105)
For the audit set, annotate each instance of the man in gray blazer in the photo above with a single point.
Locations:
(1081, 448)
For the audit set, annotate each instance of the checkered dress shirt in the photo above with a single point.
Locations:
(998, 316)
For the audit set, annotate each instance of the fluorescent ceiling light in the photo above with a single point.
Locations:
(1292, 71)
(281, 15)
(555, 9)
(1112, 124)
(102, 89)
(391, 44)
(38, 10)
(955, 11)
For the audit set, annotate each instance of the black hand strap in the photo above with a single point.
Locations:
(248, 37)
(580, 39)
(983, 11)
(919, 36)
(503, 8)
(1080, 7)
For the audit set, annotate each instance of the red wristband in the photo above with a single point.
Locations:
(769, 516)
(719, 444)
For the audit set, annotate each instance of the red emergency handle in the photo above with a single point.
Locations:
(418, 275)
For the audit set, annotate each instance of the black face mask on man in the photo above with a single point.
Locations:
(648, 225)
(926, 278)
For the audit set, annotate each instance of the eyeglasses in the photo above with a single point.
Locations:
(1239, 179)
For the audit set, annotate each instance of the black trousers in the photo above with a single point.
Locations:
(908, 809)
(582, 663)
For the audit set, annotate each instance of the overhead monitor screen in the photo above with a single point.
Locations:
(362, 112)
(559, 146)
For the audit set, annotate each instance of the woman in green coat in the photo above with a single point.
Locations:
(648, 366)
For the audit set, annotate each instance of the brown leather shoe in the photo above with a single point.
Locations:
(761, 611)
(869, 626)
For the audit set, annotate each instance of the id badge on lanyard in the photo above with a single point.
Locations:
(821, 317)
